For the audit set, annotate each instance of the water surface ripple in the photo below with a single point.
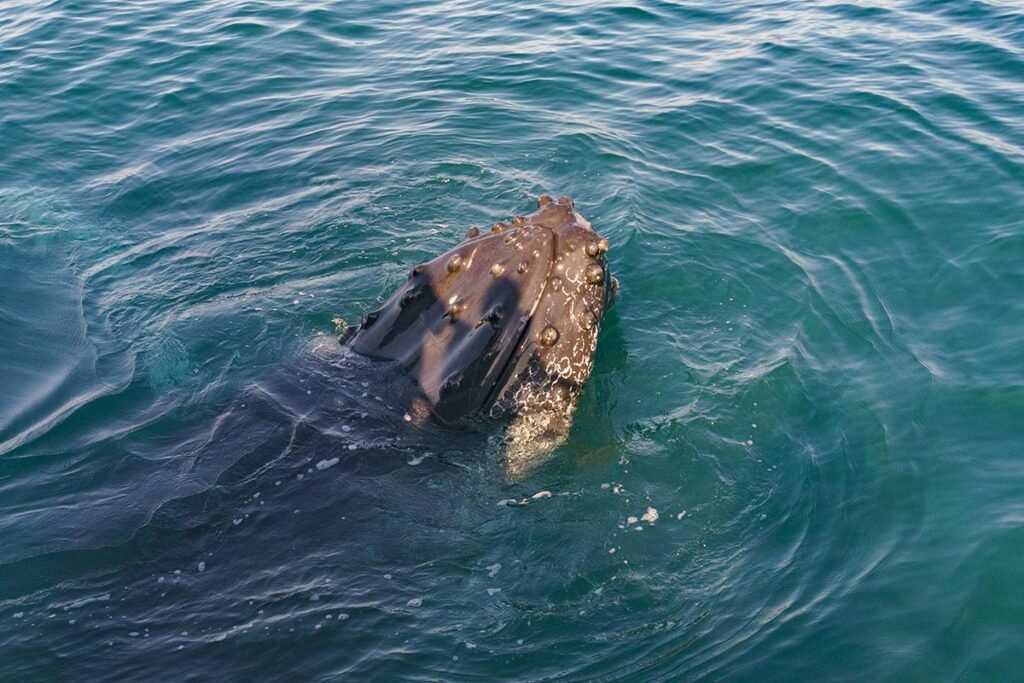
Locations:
(813, 373)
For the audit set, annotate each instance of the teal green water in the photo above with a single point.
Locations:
(814, 372)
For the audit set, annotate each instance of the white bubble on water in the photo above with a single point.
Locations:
(330, 462)
(414, 602)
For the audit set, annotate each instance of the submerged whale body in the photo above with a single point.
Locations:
(506, 323)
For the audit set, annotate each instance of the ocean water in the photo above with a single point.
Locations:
(814, 373)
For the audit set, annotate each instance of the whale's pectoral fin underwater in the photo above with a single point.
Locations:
(505, 323)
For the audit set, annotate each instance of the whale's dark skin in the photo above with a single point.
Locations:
(506, 323)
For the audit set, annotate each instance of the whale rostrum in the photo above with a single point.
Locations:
(505, 323)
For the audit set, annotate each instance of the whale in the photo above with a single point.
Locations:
(504, 324)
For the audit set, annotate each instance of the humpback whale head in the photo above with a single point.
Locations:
(504, 323)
